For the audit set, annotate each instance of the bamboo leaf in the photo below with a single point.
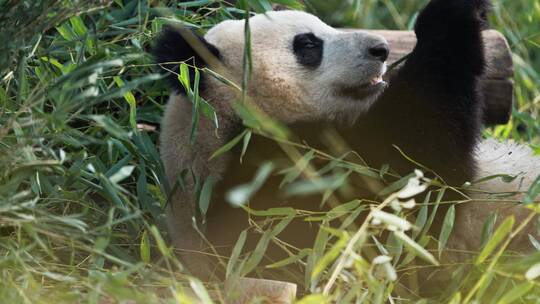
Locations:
(331, 255)
(487, 229)
(200, 291)
(145, 248)
(228, 146)
(247, 139)
(417, 249)
(237, 250)
(503, 231)
(533, 193)
(290, 260)
(161, 244)
(318, 250)
(448, 225)
(516, 293)
(206, 196)
(241, 194)
(257, 254)
(533, 272)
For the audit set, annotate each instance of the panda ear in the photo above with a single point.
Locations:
(175, 46)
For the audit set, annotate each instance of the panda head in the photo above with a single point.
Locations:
(302, 69)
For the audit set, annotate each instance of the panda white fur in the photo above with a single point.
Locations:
(497, 196)
(309, 73)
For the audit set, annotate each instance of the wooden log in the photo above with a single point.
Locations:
(245, 290)
(499, 99)
(496, 85)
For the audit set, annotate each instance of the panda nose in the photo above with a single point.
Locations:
(380, 51)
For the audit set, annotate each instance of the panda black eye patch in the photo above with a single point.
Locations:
(308, 49)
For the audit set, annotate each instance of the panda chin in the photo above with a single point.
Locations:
(356, 100)
(364, 91)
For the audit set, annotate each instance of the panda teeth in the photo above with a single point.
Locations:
(376, 80)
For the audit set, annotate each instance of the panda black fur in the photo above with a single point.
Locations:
(431, 109)
(172, 46)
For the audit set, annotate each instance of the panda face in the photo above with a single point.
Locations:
(302, 68)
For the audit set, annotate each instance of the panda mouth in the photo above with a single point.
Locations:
(376, 80)
(373, 82)
(372, 87)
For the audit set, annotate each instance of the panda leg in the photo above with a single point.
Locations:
(431, 109)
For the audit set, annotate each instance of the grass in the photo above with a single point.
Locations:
(82, 188)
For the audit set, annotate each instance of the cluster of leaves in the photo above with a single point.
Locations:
(80, 182)
(82, 187)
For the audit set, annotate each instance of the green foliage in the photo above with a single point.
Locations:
(82, 188)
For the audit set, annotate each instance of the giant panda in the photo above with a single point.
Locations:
(307, 74)
(293, 55)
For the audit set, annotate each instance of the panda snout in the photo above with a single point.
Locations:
(379, 52)
(372, 46)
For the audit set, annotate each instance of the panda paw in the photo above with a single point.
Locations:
(441, 16)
